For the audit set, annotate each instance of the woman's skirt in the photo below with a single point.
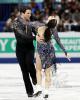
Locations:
(47, 54)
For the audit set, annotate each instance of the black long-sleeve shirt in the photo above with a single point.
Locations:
(23, 32)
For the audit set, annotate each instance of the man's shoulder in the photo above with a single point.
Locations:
(17, 21)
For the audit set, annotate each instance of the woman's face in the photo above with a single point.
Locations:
(27, 14)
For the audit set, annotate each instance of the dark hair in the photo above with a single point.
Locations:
(52, 23)
(24, 8)
(47, 34)
(12, 15)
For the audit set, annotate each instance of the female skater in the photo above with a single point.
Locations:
(45, 56)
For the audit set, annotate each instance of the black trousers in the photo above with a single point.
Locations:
(26, 61)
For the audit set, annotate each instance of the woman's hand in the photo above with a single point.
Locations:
(68, 57)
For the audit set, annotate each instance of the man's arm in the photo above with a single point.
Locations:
(17, 29)
(36, 24)
(21, 31)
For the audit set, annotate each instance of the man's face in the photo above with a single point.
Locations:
(27, 14)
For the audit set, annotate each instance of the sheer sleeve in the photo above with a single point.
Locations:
(56, 37)
(36, 24)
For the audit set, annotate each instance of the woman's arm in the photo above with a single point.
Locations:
(55, 33)
(56, 37)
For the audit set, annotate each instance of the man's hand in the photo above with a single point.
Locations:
(39, 39)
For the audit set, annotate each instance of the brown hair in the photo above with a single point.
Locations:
(47, 34)
(24, 8)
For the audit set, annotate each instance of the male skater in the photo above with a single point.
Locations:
(25, 48)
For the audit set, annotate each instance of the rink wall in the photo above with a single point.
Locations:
(70, 40)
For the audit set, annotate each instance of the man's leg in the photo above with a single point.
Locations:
(31, 66)
(22, 62)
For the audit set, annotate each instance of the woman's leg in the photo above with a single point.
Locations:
(48, 77)
(38, 69)
(47, 82)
